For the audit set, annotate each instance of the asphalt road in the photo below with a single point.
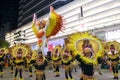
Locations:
(107, 75)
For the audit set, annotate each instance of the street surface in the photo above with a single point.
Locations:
(107, 75)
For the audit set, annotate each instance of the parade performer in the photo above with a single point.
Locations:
(99, 61)
(49, 59)
(67, 59)
(56, 59)
(2, 55)
(74, 65)
(11, 60)
(34, 57)
(87, 56)
(11, 64)
(113, 57)
(29, 62)
(45, 29)
(19, 53)
(40, 65)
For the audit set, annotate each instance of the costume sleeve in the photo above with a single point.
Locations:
(99, 60)
(32, 61)
(78, 58)
(46, 63)
(14, 61)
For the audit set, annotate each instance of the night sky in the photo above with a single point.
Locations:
(8, 14)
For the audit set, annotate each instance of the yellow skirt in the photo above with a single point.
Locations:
(56, 63)
(40, 72)
(114, 63)
(85, 77)
(19, 67)
(67, 68)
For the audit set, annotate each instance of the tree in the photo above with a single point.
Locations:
(4, 44)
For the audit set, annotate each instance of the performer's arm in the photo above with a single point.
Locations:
(46, 63)
(78, 57)
(14, 63)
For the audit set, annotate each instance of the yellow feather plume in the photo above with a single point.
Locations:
(76, 41)
(55, 24)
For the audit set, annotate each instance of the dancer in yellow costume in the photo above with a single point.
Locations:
(40, 65)
(113, 57)
(56, 60)
(19, 53)
(45, 29)
(29, 62)
(67, 59)
(87, 55)
(11, 60)
(2, 55)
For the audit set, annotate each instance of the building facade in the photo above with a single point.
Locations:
(41, 7)
(101, 17)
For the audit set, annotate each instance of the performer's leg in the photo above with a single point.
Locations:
(70, 75)
(11, 69)
(81, 75)
(26, 66)
(57, 71)
(66, 75)
(114, 71)
(16, 72)
(30, 70)
(99, 69)
(75, 69)
(40, 76)
(1, 70)
(58, 68)
(20, 74)
(81, 78)
(54, 68)
(36, 76)
(44, 77)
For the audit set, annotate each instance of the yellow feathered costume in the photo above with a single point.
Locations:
(115, 43)
(25, 49)
(47, 28)
(75, 42)
(113, 52)
(5, 50)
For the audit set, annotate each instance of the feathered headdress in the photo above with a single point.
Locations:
(76, 41)
(23, 47)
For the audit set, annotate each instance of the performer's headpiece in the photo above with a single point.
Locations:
(85, 40)
(113, 45)
(20, 49)
(4, 50)
(77, 40)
